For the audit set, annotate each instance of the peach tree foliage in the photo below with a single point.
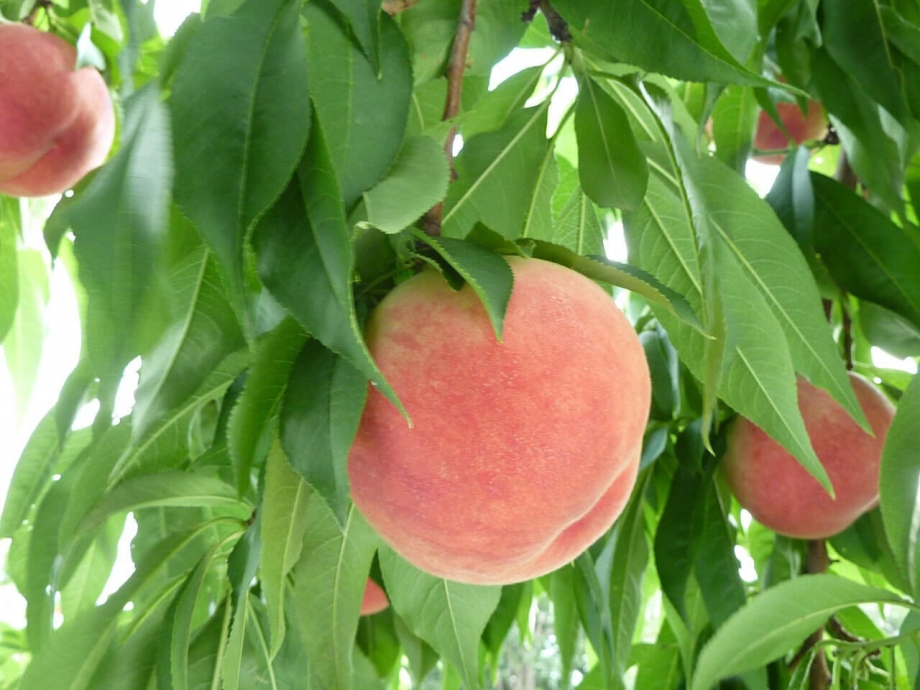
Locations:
(273, 164)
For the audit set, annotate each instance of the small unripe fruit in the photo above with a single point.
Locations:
(56, 122)
(521, 452)
(776, 489)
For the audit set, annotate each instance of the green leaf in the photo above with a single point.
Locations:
(677, 537)
(676, 38)
(166, 444)
(734, 119)
(493, 109)
(173, 660)
(89, 578)
(757, 377)
(502, 619)
(202, 331)
(735, 23)
(242, 566)
(120, 223)
(622, 275)
(450, 616)
(565, 617)
(866, 254)
(898, 487)
(793, 200)
(684, 161)
(771, 261)
(716, 565)
(33, 473)
(611, 167)
(415, 182)
(871, 151)
(363, 16)
(538, 221)
(284, 521)
(41, 576)
(363, 109)
(241, 118)
(329, 583)
(577, 226)
(856, 39)
(319, 419)
(182, 489)
(487, 273)
(24, 342)
(10, 222)
(496, 175)
(430, 27)
(889, 331)
(261, 397)
(778, 620)
(630, 558)
(305, 248)
(71, 658)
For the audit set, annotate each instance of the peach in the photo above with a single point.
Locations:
(521, 453)
(801, 127)
(56, 122)
(375, 599)
(777, 490)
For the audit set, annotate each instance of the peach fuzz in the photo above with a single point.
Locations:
(375, 599)
(777, 490)
(801, 127)
(56, 122)
(521, 452)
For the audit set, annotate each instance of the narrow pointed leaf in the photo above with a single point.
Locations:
(233, 161)
(304, 248)
(261, 397)
(184, 489)
(611, 167)
(622, 275)
(319, 419)
(899, 489)
(675, 39)
(166, 442)
(502, 164)
(329, 584)
(24, 343)
(362, 106)
(448, 615)
(284, 521)
(770, 259)
(777, 621)
(487, 273)
(864, 251)
(120, 223)
(363, 17)
(203, 332)
(415, 182)
(9, 275)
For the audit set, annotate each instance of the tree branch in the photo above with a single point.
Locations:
(456, 66)
(819, 676)
(558, 27)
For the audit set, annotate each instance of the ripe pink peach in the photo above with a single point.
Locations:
(801, 127)
(375, 599)
(521, 453)
(56, 122)
(777, 490)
